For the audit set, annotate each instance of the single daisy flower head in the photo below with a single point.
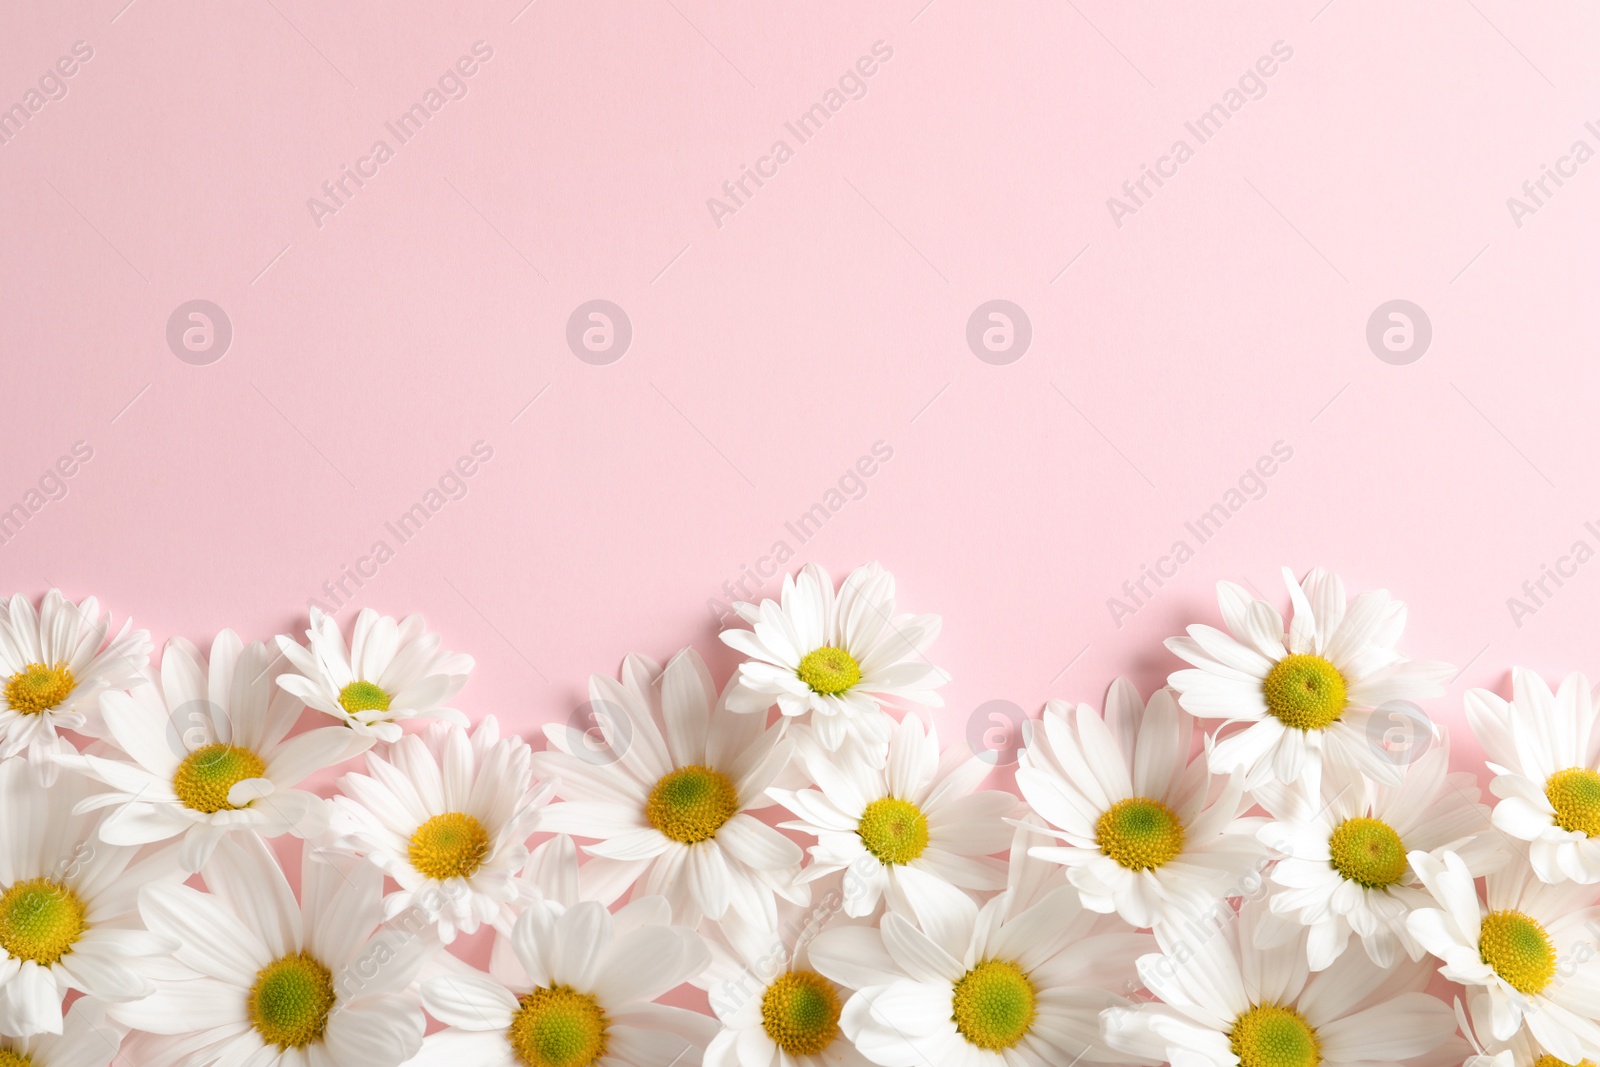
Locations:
(835, 655)
(209, 754)
(1525, 952)
(447, 815)
(577, 991)
(1344, 869)
(54, 666)
(917, 812)
(87, 1039)
(670, 814)
(1145, 831)
(1223, 1002)
(262, 979)
(1544, 751)
(1306, 690)
(390, 672)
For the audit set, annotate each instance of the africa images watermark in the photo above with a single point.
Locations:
(1537, 191)
(49, 487)
(1537, 591)
(51, 87)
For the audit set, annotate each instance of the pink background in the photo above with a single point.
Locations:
(828, 313)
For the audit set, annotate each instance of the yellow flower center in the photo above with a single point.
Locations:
(1272, 1036)
(1304, 692)
(40, 920)
(1139, 833)
(363, 696)
(37, 688)
(893, 830)
(801, 1012)
(452, 845)
(1575, 794)
(13, 1059)
(1368, 852)
(557, 1026)
(994, 1005)
(205, 776)
(290, 1001)
(1518, 949)
(691, 803)
(829, 670)
(1548, 1060)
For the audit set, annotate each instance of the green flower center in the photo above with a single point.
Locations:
(691, 803)
(37, 688)
(829, 670)
(358, 697)
(1518, 949)
(994, 1005)
(40, 920)
(452, 845)
(290, 1001)
(893, 830)
(13, 1059)
(1575, 794)
(557, 1026)
(1368, 852)
(1139, 833)
(1272, 1036)
(801, 1012)
(1304, 692)
(205, 776)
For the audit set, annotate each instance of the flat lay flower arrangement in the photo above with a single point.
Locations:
(1237, 869)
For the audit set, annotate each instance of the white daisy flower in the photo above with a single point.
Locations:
(391, 672)
(56, 664)
(1222, 1002)
(87, 1039)
(836, 655)
(1525, 955)
(577, 991)
(1305, 691)
(918, 812)
(1344, 868)
(1545, 751)
(209, 754)
(261, 979)
(68, 903)
(447, 815)
(670, 810)
(1521, 1051)
(1147, 832)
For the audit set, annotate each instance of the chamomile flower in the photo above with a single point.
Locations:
(1222, 1002)
(1544, 750)
(391, 671)
(1305, 691)
(1146, 832)
(837, 656)
(209, 755)
(446, 815)
(56, 664)
(87, 1039)
(668, 798)
(917, 812)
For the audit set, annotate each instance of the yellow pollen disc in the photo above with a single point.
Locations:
(204, 777)
(993, 1006)
(452, 845)
(691, 803)
(557, 1026)
(37, 688)
(1575, 794)
(363, 696)
(1518, 949)
(1272, 1036)
(893, 830)
(1368, 852)
(13, 1059)
(1304, 692)
(801, 1012)
(829, 670)
(40, 920)
(1139, 833)
(290, 1001)
(1546, 1060)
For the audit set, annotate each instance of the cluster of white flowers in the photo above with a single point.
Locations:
(1288, 888)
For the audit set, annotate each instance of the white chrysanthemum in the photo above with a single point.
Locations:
(56, 665)
(1222, 1002)
(1344, 868)
(1544, 750)
(669, 796)
(446, 815)
(577, 991)
(209, 754)
(87, 1039)
(392, 671)
(1521, 1051)
(1147, 832)
(68, 903)
(835, 655)
(918, 812)
(261, 979)
(1304, 691)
